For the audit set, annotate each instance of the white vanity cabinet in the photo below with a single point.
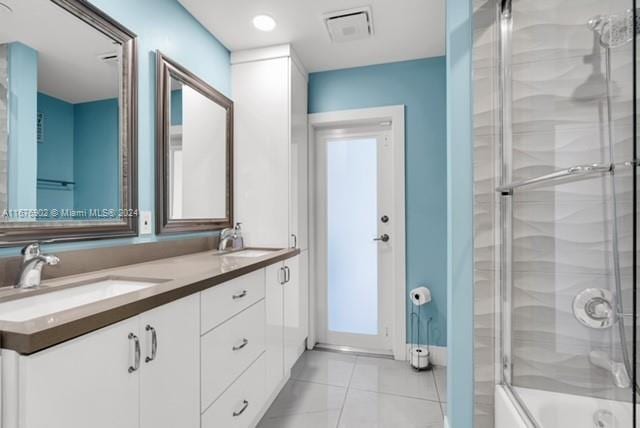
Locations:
(98, 381)
(78, 384)
(286, 303)
(217, 358)
(274, 323)
(294, 313)
(269, 87)
(170, 379)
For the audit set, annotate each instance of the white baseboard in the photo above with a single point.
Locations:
(438, 354)
(446, 422)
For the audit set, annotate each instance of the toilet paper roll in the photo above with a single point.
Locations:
(420, 296)
(420, 358)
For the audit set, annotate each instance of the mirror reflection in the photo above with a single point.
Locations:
(197, 167)
(60, 155)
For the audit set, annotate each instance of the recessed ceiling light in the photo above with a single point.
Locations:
(264, 22)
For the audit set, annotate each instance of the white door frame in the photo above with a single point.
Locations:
(356, 118)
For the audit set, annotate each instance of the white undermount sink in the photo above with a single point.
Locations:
(250, 253)
(27, 308)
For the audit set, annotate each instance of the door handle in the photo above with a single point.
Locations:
(239, 295)
(287, 274)
(245, 404)
(154, 344)
(383, 238)
(242, 344)
(136, 351)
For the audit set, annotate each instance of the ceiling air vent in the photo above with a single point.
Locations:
(349, 25)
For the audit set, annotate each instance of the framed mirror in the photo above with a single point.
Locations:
(194, 152)
(68, 123)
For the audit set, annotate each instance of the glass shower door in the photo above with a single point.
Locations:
(568, 210)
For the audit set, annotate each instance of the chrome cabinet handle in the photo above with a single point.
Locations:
(287, 274)
(136, 359)
(244, 343)
(383, 238)
(295, 240)
(283, 273)
(154, 344)
(239, 295)
(245, 404)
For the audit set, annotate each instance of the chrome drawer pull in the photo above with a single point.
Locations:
(136, 344)
(239, 295)
(245, 404)
(242, 345)
(154, 344)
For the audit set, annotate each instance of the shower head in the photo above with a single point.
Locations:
(615, 30)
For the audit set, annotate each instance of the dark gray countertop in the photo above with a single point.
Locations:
(180, 276)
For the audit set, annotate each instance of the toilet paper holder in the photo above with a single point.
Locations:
(419, 357)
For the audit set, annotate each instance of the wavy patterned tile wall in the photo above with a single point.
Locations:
(485, 62)
(563, 234)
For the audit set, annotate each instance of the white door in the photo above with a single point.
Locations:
(85, 382)
(170, 372)
(356, 243)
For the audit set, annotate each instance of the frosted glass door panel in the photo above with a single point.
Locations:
(352, 208)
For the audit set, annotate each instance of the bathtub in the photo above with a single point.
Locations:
(575, 410)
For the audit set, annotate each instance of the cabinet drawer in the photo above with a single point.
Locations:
(229, 349)
(225, 300)
(240, 404)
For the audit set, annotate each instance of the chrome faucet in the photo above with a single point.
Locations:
(32, 264)
(231, 236)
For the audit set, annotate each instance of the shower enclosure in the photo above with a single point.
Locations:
(566, 210)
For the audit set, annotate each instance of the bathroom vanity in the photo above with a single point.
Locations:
(206, 339)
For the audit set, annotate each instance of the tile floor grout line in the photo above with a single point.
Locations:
(435, 382)
(393, 394)
(315, 382)
(346, 392)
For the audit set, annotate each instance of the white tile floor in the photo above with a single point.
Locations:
(335, 390)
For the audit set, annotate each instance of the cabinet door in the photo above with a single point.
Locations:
(274, 327)
(170, 382)
(299, 164)
(295, 314)
(82, 383)
(261, 151)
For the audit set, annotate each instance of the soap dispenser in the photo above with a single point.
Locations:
(238, 240)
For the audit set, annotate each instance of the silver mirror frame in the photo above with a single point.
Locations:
(166, 69)
(18, 233)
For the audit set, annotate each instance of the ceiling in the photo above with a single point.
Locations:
(403, 29)
(68, 50)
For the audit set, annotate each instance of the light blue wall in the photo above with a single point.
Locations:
(460, 390)
(55, 153)
(23, 100)
(96, 155)
(164, 25)
(420, 86)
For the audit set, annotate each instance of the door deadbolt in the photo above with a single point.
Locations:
(383, 238)
(384, 219)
